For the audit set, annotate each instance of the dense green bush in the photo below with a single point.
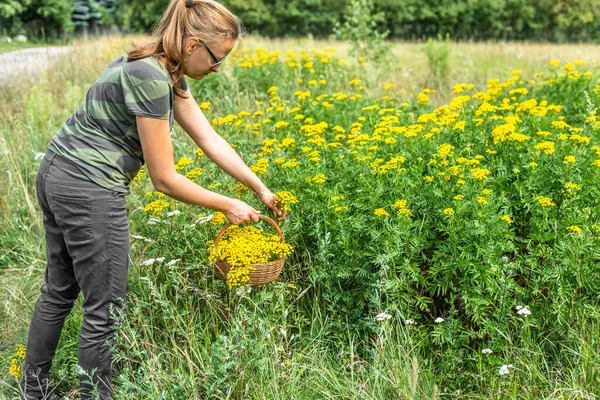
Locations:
(561, 20)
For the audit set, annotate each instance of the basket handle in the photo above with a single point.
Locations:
(269, 220)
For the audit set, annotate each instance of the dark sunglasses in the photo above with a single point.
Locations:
(215, 59)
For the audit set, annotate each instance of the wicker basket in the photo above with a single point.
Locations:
(262, 273)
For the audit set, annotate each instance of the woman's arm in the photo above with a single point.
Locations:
(193, 121)
(158, 153)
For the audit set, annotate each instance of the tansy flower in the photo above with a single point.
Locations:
(243, 247)
(285, 200)
(380, 212)
(449, 211)
(545, 201)
(506, 218)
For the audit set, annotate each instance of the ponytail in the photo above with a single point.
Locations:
(209, 21)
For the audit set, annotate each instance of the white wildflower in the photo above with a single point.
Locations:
(242, 290)
(409, 322)
(487, 351)
(173, 262)
(145, 239)
(202, 220)
(383, 316)
(173, 213)
(153, 221)
(523, 310)
(504, 369)
(439, 320)
(152, 261)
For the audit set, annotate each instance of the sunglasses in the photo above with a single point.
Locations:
(215, 59)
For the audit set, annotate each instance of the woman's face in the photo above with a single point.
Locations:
(197, 60)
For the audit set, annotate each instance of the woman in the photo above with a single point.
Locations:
(125, 120)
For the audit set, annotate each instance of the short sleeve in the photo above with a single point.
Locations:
(150, 99)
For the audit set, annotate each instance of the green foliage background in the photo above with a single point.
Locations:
(551, 20)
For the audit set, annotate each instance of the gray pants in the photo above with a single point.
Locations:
(87, 247)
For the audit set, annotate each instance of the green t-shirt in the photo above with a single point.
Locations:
(101, 137)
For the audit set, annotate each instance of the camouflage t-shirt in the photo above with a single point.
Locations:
(101, 138)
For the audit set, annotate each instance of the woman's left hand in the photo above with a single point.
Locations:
(269, 200)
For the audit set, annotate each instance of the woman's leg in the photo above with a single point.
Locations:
(95, 227)
(58, 293)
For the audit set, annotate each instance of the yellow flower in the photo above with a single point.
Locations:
(480, 173)
(156, 206)
(205, 105)
(575, 228)
(218, 218)
(193, 173)
(285, 200)
(402, 208)
(241, 248)
(545, 201)
(449, 211)
(389, 86)
(183, 161)
(569, 159)
(555, 63)
(355, 82)
(261, 166)
(319, 179)
(506, 218)
(380, 212)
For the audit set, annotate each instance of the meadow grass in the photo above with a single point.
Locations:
(189, 337)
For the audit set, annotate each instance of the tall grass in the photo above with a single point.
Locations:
(189, 337)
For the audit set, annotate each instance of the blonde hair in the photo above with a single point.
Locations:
(209, 21)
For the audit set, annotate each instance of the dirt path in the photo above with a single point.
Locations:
(28, 61)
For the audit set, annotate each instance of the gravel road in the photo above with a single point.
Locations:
(28, 61)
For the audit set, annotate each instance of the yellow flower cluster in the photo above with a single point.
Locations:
(545, 201)
(193, 173)
(218, 219)
(141, 174)
(449, 211)
(380, 212)
(285, 200)
(183, 161)
(319, 179)
(156, 206)
(15, 370)
(507, 218)
(261, 166)
(402, 208)
(243, 247)
(575, 228)
(480, 173)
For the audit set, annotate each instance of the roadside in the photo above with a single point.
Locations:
(29, 60)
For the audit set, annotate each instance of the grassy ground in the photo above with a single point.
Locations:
(31, 113)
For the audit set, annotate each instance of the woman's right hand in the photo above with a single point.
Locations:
(238, 212)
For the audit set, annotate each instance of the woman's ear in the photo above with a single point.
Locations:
(190, 44)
